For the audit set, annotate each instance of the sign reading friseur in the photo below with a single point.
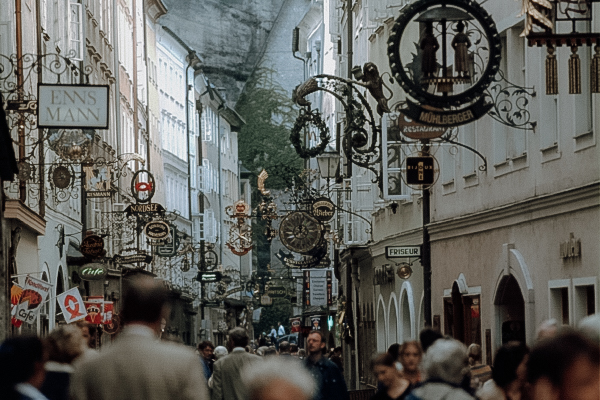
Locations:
(73, 106)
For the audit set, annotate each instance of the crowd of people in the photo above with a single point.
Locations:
(563, 364)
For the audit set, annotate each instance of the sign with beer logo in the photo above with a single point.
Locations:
(157, 230)
(323, 209)
(113, 326)
(143, 186)
(92, 246)
(71, 305)
(420, 170)
(134, 209)
(92, 271)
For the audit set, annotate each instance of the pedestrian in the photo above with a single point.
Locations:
(278, 379)
(336, 358)
(284, 349)
(227, 371)
(547, 329)
(446, 365)
(410, 357)
(480, 373)
(280, 330)
(262, 340)
(138, 365)
(508, 373)
(220, 352)
(394, 351)
(590, 327)
(393, 385)
(273, 336)
(22, 372)
(564, 367)
(64, 344)
(89, 333)
(329, 379)
(206, 350)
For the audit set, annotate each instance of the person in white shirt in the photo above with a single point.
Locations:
(281, 330)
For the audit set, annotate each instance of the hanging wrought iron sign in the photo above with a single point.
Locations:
(92, 246)
(61, 176)
(300, 232)
(132, 258)
(322, 209)
(420, 171)
(240, 234)
(304, 261)
(470, 46)
(97, 180)
(402, 124)
(134, 209)
(73, 106)
(169, 248)
(157, 230)
(143, 186)
(92, 271)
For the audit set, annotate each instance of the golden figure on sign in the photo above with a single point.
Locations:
(430, 46)
(461, 44)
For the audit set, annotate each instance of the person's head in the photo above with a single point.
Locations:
(88, 332)
(206, 349)
(22, 359)
(446, 360)
(384, 369)
(145, 302)
(301, 353)
(590, 328)
(315, 343)
(220, 352)
(269, 351)
(279, 323)
(427, 337)
(284, 347)
(410, 356)
(564, 367)
(293, 348)
(474, 354)
(394, 351)
(547, 329)
(238, 337)
(506, 363)
(64, 344)
(337, 351)
(278, 379)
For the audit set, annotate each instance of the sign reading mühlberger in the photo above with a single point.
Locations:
(73, 106)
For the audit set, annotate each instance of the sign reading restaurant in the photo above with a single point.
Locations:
(72, 106)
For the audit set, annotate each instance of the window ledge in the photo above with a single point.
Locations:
(584, 141)
(471, 180)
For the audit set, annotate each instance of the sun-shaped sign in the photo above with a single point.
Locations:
(444, 54)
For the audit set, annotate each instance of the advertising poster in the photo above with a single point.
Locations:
(108, 312)
(15, 296)
(318, 288)
(72, 306)
(94, 310)
(34, 294)
(315, 321)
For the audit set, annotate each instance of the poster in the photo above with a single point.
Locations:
(15, 296)
(318, 288)
(315, 321)
(34, 294)
(295, 322)
(71, 305)
(108, 312)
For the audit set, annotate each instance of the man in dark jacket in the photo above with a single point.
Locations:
(330, 382)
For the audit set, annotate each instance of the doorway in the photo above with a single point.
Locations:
(510, 310)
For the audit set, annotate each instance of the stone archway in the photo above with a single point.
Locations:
(381, 330)
(510, 310)
(392, 322)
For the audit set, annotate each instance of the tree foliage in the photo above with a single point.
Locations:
(280, 311)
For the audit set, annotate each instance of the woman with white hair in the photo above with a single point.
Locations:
(445, 366)
(278, 379)
(220, 352)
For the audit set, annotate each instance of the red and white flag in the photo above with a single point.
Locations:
(72, 305)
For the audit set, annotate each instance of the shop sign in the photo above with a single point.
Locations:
(157, 230)
(207, 277)
(94, 307)
(113, 326)
(414, 130)
(92, 246)
(402, 251)
(169, 248)
(304, 262)
(72, 306)
(34, 294)
(134, 209)
(73, 106)
(143, 186)
(132, 258)
(277, 291)
(295, 322)
(323, 209)
(420, 170)
(97, 181)
(92, 271)
(29, 106)
(445, 119)
(317, 287)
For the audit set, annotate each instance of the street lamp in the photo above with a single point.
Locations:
(329, 163)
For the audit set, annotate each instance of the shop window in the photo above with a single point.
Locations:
(584, 298)
(462, 317)
(559, 303)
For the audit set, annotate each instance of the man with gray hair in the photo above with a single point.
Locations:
(279, 379)
(446, 365)
(227, 371)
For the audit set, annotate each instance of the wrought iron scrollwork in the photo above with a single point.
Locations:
(510, 103)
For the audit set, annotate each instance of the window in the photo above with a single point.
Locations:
(584, 297)
(75, 31)
(392, 161)
(559, 301)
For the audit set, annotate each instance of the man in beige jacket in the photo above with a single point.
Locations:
(227, 371)
(138, 365)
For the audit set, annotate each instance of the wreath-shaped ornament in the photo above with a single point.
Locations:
(306, 117)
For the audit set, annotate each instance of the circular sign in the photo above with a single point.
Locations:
(61, 177)
(157, 230)
(458, 55)
(143, 186)
(92, 246)
(300, 232)
(114, 325)
(323, 209)
(92, 271)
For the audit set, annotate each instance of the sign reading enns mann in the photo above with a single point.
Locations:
(73, 106)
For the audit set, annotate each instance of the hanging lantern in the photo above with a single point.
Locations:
(574, 72)
(595, 71)
(404, 271)
(551, 71)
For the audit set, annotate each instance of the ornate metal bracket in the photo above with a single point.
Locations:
(510, 103)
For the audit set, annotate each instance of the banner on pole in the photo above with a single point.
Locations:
(34, 294)
(71, 305)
